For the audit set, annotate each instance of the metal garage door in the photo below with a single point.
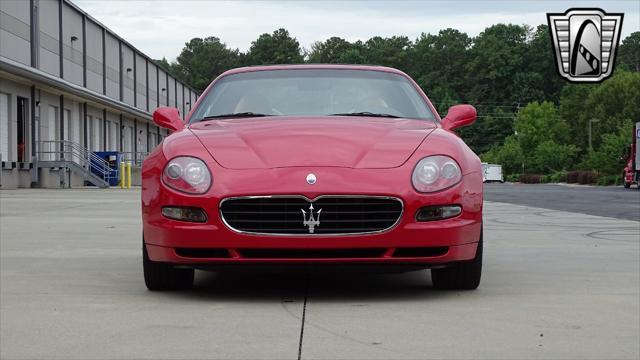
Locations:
(4, 126)
(127, 140)
(52, 133)
(153, 140)
(88, 132)
(66, 122)
(114, 137)
(96, 131)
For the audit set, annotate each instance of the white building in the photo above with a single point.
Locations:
(69, 85)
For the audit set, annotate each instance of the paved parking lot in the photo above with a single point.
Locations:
(556, 285)
(610, 201)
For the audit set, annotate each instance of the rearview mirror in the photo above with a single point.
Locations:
(168, 118)
(459, 116)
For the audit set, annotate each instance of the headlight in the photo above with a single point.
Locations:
(187, 174)
(435, 173)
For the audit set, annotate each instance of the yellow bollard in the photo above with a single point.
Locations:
(122, 175)
(128, 175)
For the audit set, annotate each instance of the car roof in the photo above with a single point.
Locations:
(312, 66)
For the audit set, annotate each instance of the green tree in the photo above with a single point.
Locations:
(540, 122)
(163, 63)
(629, 52)
(538, 80)
(393, 52)
(509, 155)
(606, 158)
(572, 101)
(495, 58)
(492, 127)
(613, 103)
(330, 51)
(353, 55)
(202, 60)
(550, 156)
(439, 64)
(276, 48)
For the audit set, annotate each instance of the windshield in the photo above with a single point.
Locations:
(313, 92)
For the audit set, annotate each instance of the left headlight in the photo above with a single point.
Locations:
(435, 173)
(187, 174)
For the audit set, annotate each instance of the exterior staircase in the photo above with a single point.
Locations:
(65, 154)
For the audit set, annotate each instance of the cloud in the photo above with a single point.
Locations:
(161, 28)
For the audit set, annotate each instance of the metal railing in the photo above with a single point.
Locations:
(135, 158)
(69, 151)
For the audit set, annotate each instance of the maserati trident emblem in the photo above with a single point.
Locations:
(585, 43)
(311, 179)
(311, 222)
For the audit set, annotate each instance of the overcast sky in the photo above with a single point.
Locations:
(160, 27)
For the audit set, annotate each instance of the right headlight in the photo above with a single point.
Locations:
(187, 174)
(435, 173)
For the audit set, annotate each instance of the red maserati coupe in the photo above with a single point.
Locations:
(314, 165)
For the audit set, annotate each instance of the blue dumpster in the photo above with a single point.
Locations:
(113, 159)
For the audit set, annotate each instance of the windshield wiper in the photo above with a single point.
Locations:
(366, 113)
(246, 114)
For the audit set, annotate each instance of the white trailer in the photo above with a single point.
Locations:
(492, 173)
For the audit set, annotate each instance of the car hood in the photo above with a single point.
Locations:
(352, 142)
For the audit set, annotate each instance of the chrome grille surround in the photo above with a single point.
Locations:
(229, 223)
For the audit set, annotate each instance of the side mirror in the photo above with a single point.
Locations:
(459, 116)
(168, 118)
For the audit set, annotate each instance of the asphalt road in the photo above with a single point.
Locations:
(610, 201)
(556, 284)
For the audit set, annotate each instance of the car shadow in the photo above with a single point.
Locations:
(318, 285)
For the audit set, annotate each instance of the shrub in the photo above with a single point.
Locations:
(513, 177)
(581, 177)
(587, 177)
(603, 181)
(558, 176)
(550, 156)
(606, 180)
(572, 177)
(531, 178)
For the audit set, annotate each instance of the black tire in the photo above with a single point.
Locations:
(160, 276)
(624, 183)
(464, 275)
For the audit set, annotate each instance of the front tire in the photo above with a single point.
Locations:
(464, 275)
(160, 276)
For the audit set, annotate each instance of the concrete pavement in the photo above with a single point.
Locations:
(610, 201)
(556, 285)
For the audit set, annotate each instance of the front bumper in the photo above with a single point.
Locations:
(436, 242)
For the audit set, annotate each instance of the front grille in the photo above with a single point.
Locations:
(333, 215)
